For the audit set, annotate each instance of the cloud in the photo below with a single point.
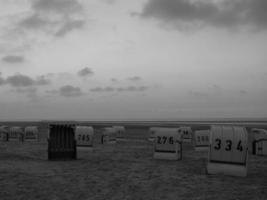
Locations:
(69, 26)
(57, 6)
(114, 80)
(70, 91)
(34, 21)
(109, 1)
(135, 78)
(216, 87)
(42, 80)
(132, 89)
(13, 59)
(85, 72)
(56, 17)
(29, 92)
(198, 94)
(102, 89)
(66, 91)
(243, 92)
(52, 92)
(20, 80)
(26, 90)
(43, 20)
(198, 13)
(2, 80)
(61, 75)
(120, 89)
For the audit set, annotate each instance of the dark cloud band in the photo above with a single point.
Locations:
(198, 13)
(13, 59)
(66, 91)
(135, 78)
(120, 89)
(20, 80)
(58, 17)
(85, 72)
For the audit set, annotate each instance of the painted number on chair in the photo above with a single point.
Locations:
(218, 145)
(164, 140)
(84, 138)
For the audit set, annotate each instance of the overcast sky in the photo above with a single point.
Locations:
(141, 59)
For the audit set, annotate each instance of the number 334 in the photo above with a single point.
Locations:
(228, 145)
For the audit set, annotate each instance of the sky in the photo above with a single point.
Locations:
(142, 59)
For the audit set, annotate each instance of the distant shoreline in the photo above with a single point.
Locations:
(193, 120)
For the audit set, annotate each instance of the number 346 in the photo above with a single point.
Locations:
(228, 145)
